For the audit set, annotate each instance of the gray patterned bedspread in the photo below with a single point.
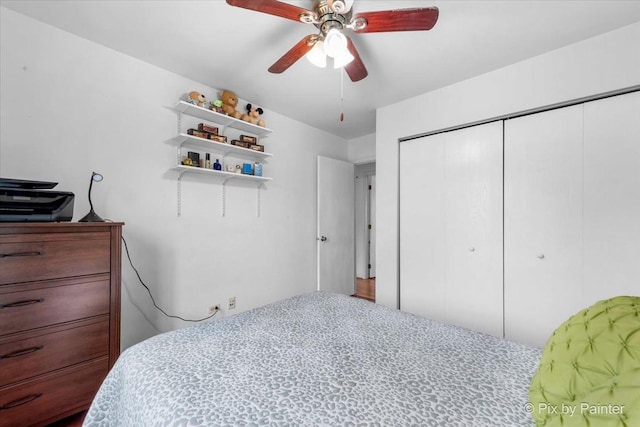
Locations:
(318, 359)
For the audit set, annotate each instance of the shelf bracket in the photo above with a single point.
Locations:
(224, 196)
(258, 200)
(179, 151)
(179, 181)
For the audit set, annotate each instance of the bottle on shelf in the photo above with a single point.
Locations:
(217, 166)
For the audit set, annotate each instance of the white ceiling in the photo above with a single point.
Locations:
(231, 48)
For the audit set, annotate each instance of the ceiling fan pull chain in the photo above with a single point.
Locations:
(342, 94)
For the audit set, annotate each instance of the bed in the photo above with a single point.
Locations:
(319, 359)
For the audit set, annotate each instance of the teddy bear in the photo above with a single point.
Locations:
(253, 115)
(198, 99)
(229, 102)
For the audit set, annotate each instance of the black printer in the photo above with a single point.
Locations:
(33, 201)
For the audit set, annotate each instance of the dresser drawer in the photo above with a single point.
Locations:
(27, 307)
(49, 397)
(32, 257)
(29, 354)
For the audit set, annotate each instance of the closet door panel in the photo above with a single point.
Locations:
(612, 197)
(473, 228)
(542, 222)
(422, 226)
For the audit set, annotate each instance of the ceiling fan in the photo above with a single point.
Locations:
(332, 17)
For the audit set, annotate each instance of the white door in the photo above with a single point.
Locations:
(611, 237)
(451, 227)
(422, 286)
(543, 162)
(336, 232)
(473, 228)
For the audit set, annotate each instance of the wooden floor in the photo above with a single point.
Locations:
(72, 421)
(366, 289)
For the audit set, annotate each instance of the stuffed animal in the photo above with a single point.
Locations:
(253, 115)
(198, 99)
(229, 102)
(217, 106)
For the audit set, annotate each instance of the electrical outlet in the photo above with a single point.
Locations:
(232, 303)
(214, 308)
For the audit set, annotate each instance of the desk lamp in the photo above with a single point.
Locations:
(92, 216)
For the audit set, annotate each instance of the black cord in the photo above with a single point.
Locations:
(126, 248)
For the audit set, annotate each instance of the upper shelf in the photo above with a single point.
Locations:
(222, 119)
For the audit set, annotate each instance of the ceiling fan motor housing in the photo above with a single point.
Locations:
(328, 17)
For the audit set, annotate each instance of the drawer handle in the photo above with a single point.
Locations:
(21, 352)
(20, 402)
(22, 303)
(30, 253)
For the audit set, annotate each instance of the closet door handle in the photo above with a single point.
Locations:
(540, 256)
(28, 253)
(21, 401)
(22, 303)
(19, 353)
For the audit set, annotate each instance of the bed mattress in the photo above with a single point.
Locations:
(319, 359)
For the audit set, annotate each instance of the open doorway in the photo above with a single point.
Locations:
(365, 191)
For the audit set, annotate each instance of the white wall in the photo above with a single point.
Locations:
(362, 149)
(605, 63)
(70, 106)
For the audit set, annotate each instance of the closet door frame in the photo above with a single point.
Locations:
(607, 243)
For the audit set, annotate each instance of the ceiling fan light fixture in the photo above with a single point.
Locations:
(317, 56)
(342, 59)
(340, 6)
(335, 43)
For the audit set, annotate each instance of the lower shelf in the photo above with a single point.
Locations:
(223, 174)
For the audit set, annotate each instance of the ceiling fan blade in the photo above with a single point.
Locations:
(418, 19)
(273, 7)
(295, 53)
(355, 69)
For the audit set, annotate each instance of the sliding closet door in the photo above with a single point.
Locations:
(451, 227)
(473, 228)
(612, 197)
(542, 222)
(422, 226)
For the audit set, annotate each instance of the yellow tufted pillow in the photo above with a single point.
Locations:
(589, 372)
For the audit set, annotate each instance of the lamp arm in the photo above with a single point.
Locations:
(90, 186)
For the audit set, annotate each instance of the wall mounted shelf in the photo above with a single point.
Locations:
(224, 149)
(221, 119)
(221, 147)
(222, 174)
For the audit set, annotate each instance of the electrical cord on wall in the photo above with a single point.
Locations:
(126, 248)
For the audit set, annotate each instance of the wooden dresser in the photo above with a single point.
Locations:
(59, 317)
